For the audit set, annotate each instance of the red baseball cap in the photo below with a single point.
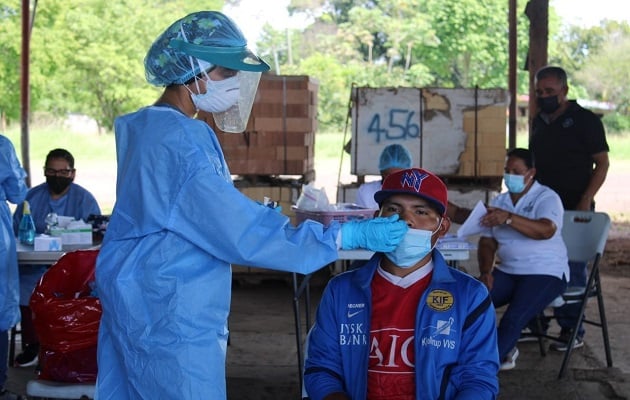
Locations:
(415, 181)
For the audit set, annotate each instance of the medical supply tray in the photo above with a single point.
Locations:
(341, 212)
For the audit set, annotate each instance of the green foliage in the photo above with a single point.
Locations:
(334, 90)
(616, 123)
(86, 148)
(329, 145)
(449, 43)
(10, 48)
(473, 43)
(604, 75)
(86, 55)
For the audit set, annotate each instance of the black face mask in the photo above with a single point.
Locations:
(548, 105)
(57, 184)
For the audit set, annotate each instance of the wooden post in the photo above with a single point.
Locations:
(538, 13)
(25, 89)
(512, 84)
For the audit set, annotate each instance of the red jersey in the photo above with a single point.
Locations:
(391, 366)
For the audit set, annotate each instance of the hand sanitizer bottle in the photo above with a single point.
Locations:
(26, 231)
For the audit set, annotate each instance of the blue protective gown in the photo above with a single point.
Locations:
(163, 272)
(78, 202)
(12, 188)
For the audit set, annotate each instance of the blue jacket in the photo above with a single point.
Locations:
(455, 343)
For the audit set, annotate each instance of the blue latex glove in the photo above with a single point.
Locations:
(377, 234)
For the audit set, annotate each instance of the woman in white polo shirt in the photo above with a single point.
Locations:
(525, 239)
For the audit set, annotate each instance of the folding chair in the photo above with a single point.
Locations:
(585, 234)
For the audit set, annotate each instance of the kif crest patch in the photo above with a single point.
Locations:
(440, 300)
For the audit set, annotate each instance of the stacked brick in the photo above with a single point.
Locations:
(280, 136)
(279, 140)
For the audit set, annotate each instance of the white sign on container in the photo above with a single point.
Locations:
(436, 125)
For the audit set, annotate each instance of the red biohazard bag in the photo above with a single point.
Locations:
(66, 315)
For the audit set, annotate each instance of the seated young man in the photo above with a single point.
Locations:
(405, 325)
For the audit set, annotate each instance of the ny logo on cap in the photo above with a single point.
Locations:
(413, 179)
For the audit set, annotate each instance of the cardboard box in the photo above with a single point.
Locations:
(47, 243)
(76, 233)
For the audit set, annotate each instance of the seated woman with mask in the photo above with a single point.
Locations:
(525, 235)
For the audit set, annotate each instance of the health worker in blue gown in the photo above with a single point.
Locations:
(12, 188)
(61, 196)
(163, 273)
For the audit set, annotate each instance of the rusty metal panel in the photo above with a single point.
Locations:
(382, 116)
(452, 132)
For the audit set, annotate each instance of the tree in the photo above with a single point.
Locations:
(450, 43)
(87, 55)
(473, 45)
(602, 74)
(278, 46)
(10, 26)
(595, 59)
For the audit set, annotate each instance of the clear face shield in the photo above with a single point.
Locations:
(234, 119)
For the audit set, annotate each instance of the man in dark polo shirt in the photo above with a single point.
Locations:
(571, 156)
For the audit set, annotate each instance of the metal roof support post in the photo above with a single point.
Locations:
(24, 88)
(538, 13)
(512, 76)
(25, 91)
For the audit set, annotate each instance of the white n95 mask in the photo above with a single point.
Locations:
(219, 95)
(234, 119)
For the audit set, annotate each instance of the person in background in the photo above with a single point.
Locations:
(394, 157)
(569, 145)
(405, 325)
(59, 195)
(526, 236)
(12, 188)
(457, 214)
(163, 272)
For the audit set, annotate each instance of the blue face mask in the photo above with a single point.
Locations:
(414, 247)
(514, 183)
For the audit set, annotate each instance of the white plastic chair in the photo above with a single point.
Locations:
(585, 234)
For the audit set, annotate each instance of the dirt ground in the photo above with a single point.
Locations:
(616, 260)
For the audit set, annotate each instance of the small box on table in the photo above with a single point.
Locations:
(47, 243)
(76, 232)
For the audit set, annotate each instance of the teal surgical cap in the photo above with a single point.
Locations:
(194, 44)
(394, 156)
